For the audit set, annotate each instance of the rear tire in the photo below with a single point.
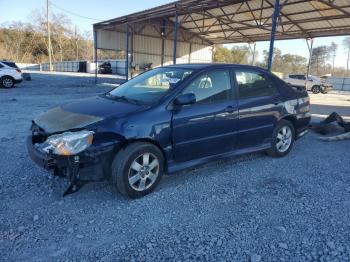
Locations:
(324, 91)
(282, 139)
(315, 89)
(137, 169)
(7, 82)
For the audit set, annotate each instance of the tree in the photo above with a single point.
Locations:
(27, 42)
(277, 62)
(346, 44)
(237, 54)
(240, 54)
(294, 63)
(222, 54)
(319, 57)
(333, 52)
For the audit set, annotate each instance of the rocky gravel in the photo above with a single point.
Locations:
(248, 208)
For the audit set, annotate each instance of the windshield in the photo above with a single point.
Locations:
(150, 86)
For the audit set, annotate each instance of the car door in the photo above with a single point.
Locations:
(259, 106)
(209, 126)
(300, 80)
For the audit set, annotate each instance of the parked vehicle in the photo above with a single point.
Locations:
(168, 119)
(313, 83)
(105, 68)
(10, 74)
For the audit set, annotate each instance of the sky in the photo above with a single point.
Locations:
(99, 10)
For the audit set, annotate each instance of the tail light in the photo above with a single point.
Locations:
(18, 70)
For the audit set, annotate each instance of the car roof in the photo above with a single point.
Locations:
(9, 63)
(198, 66)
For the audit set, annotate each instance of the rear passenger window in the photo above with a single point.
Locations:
(252, 84)
(11, 64)
(211, 87)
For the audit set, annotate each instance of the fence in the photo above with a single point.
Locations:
(33, 67)
(340, 83)
(117, 65)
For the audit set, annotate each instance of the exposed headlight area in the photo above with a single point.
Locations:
(68, 143)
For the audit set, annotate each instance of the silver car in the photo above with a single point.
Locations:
(312, 83)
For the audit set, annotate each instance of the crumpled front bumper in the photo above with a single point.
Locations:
(326, 88)
(91, 164)
(41, 159)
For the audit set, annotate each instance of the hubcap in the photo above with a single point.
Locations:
(143, 172)
(7, 82)
(284, 139)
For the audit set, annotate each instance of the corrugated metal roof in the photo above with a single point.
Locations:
(225, 21)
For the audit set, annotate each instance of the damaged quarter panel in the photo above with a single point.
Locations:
(296, 105)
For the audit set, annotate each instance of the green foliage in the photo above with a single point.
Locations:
(236, 55)
(320, 55)
(28, 42)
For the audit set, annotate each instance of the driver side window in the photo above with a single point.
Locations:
(211, 87)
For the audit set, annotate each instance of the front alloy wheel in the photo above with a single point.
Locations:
(137, 169)
(143, 172)
(315, 89)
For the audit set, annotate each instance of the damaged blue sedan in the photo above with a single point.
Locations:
(168, 119)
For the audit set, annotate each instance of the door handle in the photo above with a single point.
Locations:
(230, 109)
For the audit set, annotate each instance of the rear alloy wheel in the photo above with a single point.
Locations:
(315, 89)
(137, 169)
(282, 139)
(7, 82)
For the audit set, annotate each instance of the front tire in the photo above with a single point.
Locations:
(7, 82)
(282, 139)
(137, 169)
(315, 89)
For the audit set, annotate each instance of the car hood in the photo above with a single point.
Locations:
(82, 113)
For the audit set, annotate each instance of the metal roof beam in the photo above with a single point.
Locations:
(220, 21)
(291, 14)
(333, 6)
(287, 17)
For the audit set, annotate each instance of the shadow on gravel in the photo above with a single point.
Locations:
(206, 170)
(280, 186)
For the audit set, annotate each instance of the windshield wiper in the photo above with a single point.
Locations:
(123, 98)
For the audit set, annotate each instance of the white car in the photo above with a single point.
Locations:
(313, 83)
(10, 74)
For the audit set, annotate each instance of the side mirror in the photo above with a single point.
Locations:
(185, 99)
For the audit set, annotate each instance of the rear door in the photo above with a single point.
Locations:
(300, 80)
(209, 126)
(259, 106)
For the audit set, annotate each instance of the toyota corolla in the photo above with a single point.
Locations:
(168, 119)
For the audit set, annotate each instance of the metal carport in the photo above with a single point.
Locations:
(185, 31)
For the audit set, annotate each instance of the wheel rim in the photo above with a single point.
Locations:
(143, 172)
(316, 89)
(7, 82)
(284, 139)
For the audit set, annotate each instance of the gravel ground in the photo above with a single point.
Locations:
(249, 208)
